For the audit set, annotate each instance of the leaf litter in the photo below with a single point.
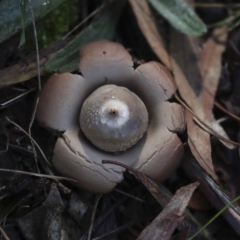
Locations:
(197, 67)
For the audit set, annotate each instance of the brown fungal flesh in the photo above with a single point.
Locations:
(113, 118)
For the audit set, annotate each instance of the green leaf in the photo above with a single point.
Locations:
(67, 59)
(180, 15)
(11, 14)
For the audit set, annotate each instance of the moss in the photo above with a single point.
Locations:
(55, 24)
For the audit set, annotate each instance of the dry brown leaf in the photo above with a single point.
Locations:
(199, 143)
(206, 127)
(197, 74)
(150, 184)
(165, 223)
(27, 68)
(148, 27)
(159, 193)
(210, 67)
(20, 72)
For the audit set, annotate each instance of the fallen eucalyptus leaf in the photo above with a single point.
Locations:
(149, 29)
(165, 223)
(180, 15)
(197, 73)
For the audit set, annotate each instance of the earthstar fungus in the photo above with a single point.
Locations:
(113, 118)
(106, 66)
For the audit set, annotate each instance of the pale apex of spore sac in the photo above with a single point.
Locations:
(113, 118)
(114, 113)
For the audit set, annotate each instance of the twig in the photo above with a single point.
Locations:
(129, 195)
(216, 5)
(218, 105)
(4, 234)
(81, 23)
(30, 138)
(38, 175)
(93, 217)
(36, 44)
(30, 134)
(204, 126)
(39, 82)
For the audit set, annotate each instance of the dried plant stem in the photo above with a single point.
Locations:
(216, 5)
(93, 217)
(31, 139)
(82, 22)
(5, 236)
(39, 83)
(37, 175)
(30, 134)
(218, 105)
(36, 44)
(204, 126)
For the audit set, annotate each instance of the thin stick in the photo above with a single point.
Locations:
(14, 99)
(39, 83)
(4, 234)
(30, 134)
(93, 217)
(204, 126)
(218, 105)
(36, 44)
(216, 5)
(129, 195)
(30, 138)
(81, 23)
(38, 175)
